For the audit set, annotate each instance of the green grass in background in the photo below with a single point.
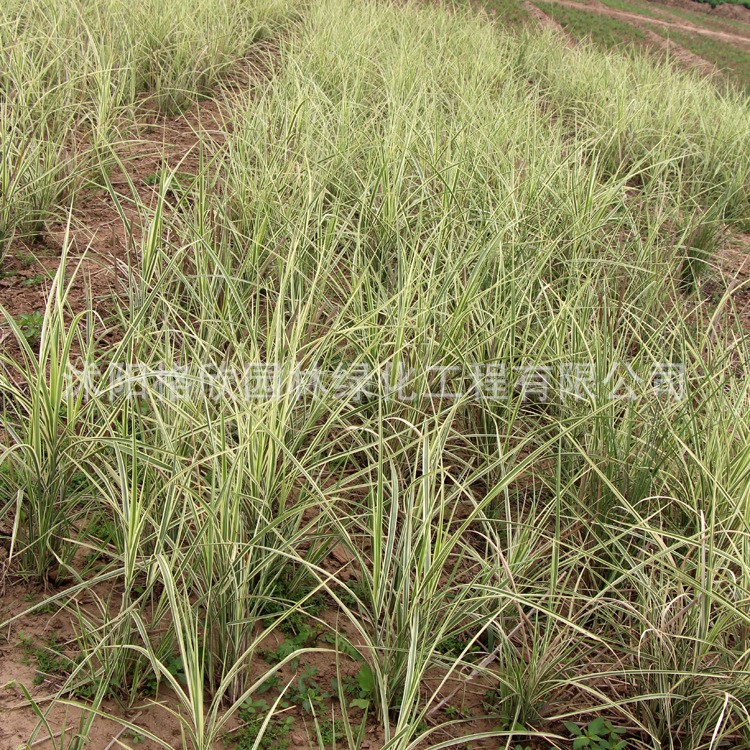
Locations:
(708, 21)
(508, 12)
(732, 61)
(606, 32)
(635, 6)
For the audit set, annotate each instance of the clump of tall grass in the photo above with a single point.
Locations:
(694, 144)
(73, 73)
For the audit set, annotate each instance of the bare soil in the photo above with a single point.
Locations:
(545, 21)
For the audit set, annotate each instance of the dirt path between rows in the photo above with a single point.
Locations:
(105, 246)
(545, 21)
(100, 244)
(678, 52)
(671, 48)
(100, 241)
(637, 19)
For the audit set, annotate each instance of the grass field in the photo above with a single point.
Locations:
(732, 62)
(611, 32)
(607, 33)
(415, 411)
(705, 20)
(714, 3)
(510, 13)
(641, 7)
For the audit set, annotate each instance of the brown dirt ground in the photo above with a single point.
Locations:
(678, 52)
(545, 21)
(733, 274)
(18, 667)
(98, 238)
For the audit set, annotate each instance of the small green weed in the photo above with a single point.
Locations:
(360, 687)
(308, 693)
(328, 732)
(31, 326)
(276, 734)
(50, 659)
(599, 734)
(306, 636)
(33, 281)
